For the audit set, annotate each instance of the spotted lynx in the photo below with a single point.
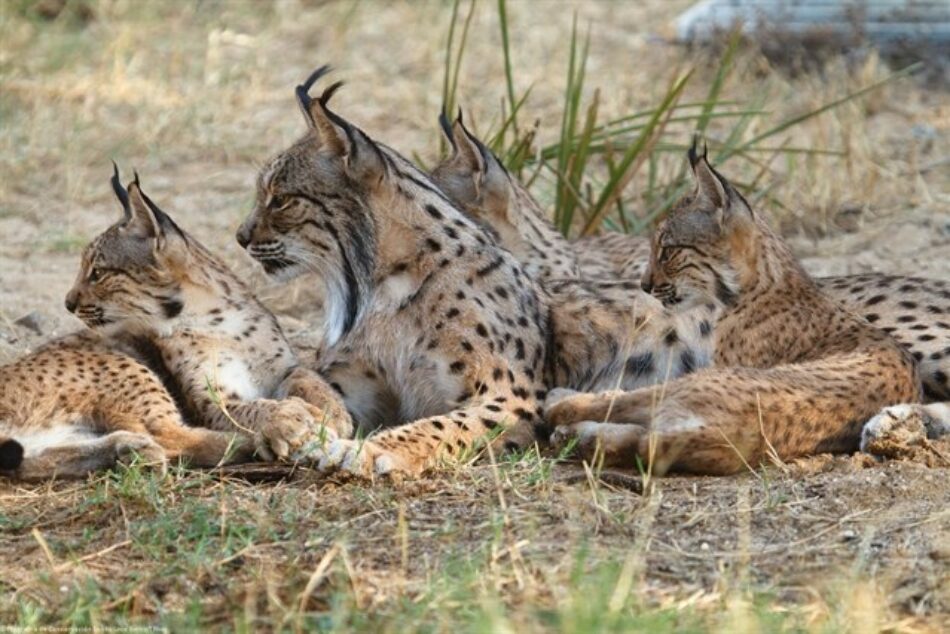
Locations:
(182, 361)
(794, 372)
(433, 334)
(914, 310)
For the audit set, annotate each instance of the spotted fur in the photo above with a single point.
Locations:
(914, 310)
(794, 371)
(436, 337)
(176, 338)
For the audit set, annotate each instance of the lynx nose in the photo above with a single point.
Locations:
(72, 301)
(243, 237)
(646, 284)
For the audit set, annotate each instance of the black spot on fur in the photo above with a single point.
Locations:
(688, 361)
(172, 308)
(639, 365)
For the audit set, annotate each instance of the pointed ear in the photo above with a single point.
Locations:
(335, 134)
(492, 185)
(467, 151)
(142, 222)
(709, 185)
(120, 192)
(147, 220)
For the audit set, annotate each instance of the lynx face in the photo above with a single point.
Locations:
(693, 255)
(128, 272)
(309, 216)
(313, 211)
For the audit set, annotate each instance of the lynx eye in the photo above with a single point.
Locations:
(95, 274)
(280, 201)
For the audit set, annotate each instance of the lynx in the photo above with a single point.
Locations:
(181, 361)
(794, 372)
(434, 335)
(916, 311)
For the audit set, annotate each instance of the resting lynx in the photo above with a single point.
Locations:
(161, 308)
(794, 371)
(432, 332)
(916, 311)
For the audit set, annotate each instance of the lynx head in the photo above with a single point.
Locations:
(476, 181)
(473, 177)
(701, 249)
(323, 204)
(133, 271)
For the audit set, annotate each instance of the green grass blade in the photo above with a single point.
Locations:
(788, 123)
(635, 155)
(506, 53)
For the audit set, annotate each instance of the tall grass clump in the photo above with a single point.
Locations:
(623, 173)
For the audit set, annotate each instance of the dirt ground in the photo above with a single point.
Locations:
(196, 97)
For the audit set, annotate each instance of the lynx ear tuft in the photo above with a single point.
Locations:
(694, 156)
(447, 130)
(303, 92)
(709, 185)
(120, 192)
(335, 134)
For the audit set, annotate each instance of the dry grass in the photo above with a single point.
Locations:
(195, 95)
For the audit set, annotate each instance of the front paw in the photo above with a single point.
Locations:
(894, 431)
(332, 417)
(576, 440)
(292, 432)
(364, 458)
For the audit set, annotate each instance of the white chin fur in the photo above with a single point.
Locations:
(287, 273)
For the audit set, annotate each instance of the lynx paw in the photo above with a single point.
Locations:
(577, 439)
(290, 432)
(899, 427)
(140, 449)
(363, 458)
(615, 444)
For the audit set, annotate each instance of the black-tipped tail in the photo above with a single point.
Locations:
(11, 454)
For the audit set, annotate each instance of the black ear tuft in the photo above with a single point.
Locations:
(329, 92)
(447, 129)
(303, 90)
(120, 191)
(694, 155)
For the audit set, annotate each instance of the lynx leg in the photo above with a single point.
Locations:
(76, 452)
(328, 407)
(200, 447)
(411, 448)
(617, 406)
(674, 440)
